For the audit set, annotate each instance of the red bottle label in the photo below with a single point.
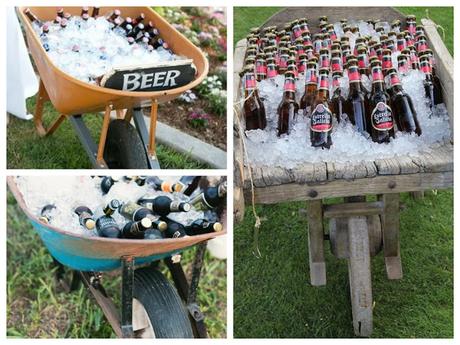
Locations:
(394, 80)
(321, 119)
(324, 61)
(422, 47)
(333, 35)
(382, 117)
(386, 62)
(323, 83)
(283, 61)
(250, 82)
(362, 61)
(271, 71)
(297, 31)
(261, 68)
(289, 85)
(401, 44)
(311, 77)
(377, 75)
(336, 65)
(302, 67)
(353, 75)
(426, 68)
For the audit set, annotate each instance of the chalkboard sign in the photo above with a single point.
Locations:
(156, 77)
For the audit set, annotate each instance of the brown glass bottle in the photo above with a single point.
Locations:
(321, 115)
(288, 107)
(425, 67)
(254, 110)
(381, 115)
(261, 67)
(311, 82)
(403, 108)
(337, 100)
(32, 17)
(355, 105)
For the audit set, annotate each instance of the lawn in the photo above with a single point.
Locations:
(272, 295)
(62, 150)
(37, 309)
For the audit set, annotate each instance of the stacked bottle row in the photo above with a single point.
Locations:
(151, 217)
(329, 58)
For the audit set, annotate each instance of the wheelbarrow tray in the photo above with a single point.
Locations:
(102, 254)
(315, 181)
(71, 96)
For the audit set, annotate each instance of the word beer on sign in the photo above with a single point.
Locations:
(156, 77)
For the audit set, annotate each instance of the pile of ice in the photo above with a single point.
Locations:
(89, 49)
(68, 192)
(265, 148)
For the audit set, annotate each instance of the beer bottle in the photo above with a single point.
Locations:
(324, 61)
(95, 12)
(401, 42)
(210, 198)
(32, 17)
(107, 182)
(288, 107)
(189, 184)
(283, 60)
(115, 14)
(111, 207)
(174, 229)
(396, 25)
(302, 66)
(336, 61)
(85, 217)
(126, 22)
(60, 12)
(436, 81)
(411, 24)
(135, 212)
(84, 10)
(337, 101)
(404, 110)
(106, 226)
(46, 213)
(63, 23)
(382, 122)
(261, 67)
(163, 205)
(403, 64)
(363, 60)
(428, 84)
(166, 186)
(311, 83)
(136, 229)
(272, 70)
(355, 105)
(292, 67)
(321, 115)
(202, 226)
(387, 63)
(254, 110)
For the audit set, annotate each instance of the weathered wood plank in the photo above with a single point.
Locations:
(316, 243)
(445, 65)
(352, 209)
(340, 188)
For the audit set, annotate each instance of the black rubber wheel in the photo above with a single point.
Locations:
(124, 148)
(158, 310)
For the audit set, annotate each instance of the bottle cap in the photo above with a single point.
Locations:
(186, 207)
(90, 224)
(162, 226)
(146, 223)
(217, 227)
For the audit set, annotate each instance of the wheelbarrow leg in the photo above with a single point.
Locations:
(103, 136)
(316, 243)
(359, 271)
(390, 227)
(42, 97)
(188, 292)
(127, 296)
(145, 135)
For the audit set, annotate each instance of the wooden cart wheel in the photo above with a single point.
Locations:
(124, 148)
(158, 311)
(359, 271)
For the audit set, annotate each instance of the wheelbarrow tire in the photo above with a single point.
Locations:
(359, 271)
(164, 308)
(124, 148)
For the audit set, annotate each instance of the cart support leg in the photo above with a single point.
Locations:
(188, 293)
(153, 128)
(390, 227)
(316, 243)
(127, 296)
(42, 97)
(103, 137)
(141, 127)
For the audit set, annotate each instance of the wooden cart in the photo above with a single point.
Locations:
(357, 229)
(120, 144)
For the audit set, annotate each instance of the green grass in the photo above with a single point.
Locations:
(37, 309)
(245, 18)
(273, 297)
(443, 16)
(62, 150)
